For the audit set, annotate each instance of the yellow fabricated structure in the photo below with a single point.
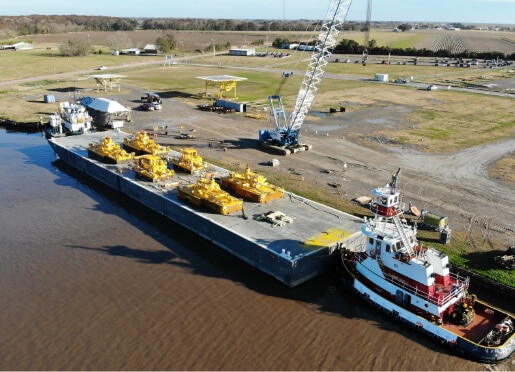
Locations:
(252, 186)
(107, 81)
(207, 193)
(225, 83)
(142, 144)
(107, 151)
(326, 238)
(190, 161)
(152, 168)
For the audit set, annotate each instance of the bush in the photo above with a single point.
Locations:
(75, 48)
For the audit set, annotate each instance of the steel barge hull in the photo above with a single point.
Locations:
(292, 253)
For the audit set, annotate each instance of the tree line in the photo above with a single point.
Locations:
(11, 26)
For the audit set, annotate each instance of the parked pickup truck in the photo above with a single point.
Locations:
(150, 97)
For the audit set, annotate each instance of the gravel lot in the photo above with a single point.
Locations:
(455, 184)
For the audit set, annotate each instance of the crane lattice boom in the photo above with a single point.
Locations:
(367, 33)
(324, 46)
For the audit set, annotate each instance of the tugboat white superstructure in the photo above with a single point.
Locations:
(415, 285)
(72, 119)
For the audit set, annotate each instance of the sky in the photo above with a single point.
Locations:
(465, 11)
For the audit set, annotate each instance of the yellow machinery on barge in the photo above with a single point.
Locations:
(207, 193)
(251, 186)
(107, 151)
(190, 161)
(142, 144)
(152, 168)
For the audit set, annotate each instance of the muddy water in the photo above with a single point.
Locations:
(91, 281)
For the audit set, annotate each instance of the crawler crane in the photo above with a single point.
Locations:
(285, 138)
(366, 44)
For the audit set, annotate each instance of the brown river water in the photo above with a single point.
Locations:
(93, 281)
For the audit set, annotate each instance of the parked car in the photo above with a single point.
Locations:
(102, 67)
(147, 107)
(157, 105)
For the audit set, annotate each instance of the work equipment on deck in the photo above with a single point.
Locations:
(252, 186)
(152, 168)
(142, 144)
(109, 152)
(207, 193)
(190, 161)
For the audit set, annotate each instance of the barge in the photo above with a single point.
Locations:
(292, 253)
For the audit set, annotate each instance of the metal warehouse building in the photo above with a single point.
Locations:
(242, 52)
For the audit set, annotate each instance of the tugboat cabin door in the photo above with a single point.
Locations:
(403, 299)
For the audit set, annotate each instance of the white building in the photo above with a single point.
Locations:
(130, 51)
(23, 45)
(151, 49)
(242, 52)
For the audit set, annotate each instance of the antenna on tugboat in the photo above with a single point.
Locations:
(394, 180)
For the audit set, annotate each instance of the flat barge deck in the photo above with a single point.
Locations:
(291, 252)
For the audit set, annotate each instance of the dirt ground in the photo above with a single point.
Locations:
(455, 184)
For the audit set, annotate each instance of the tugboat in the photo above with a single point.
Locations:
(414, 284)
(72, 119)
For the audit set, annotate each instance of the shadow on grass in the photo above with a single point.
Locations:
(483, 260)
(66, 89)
(176, 94)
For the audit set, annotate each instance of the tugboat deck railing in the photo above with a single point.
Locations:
(443, 294)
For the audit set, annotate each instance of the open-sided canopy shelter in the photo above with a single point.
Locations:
(106, 112)
(225, 83)
(107, 81)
